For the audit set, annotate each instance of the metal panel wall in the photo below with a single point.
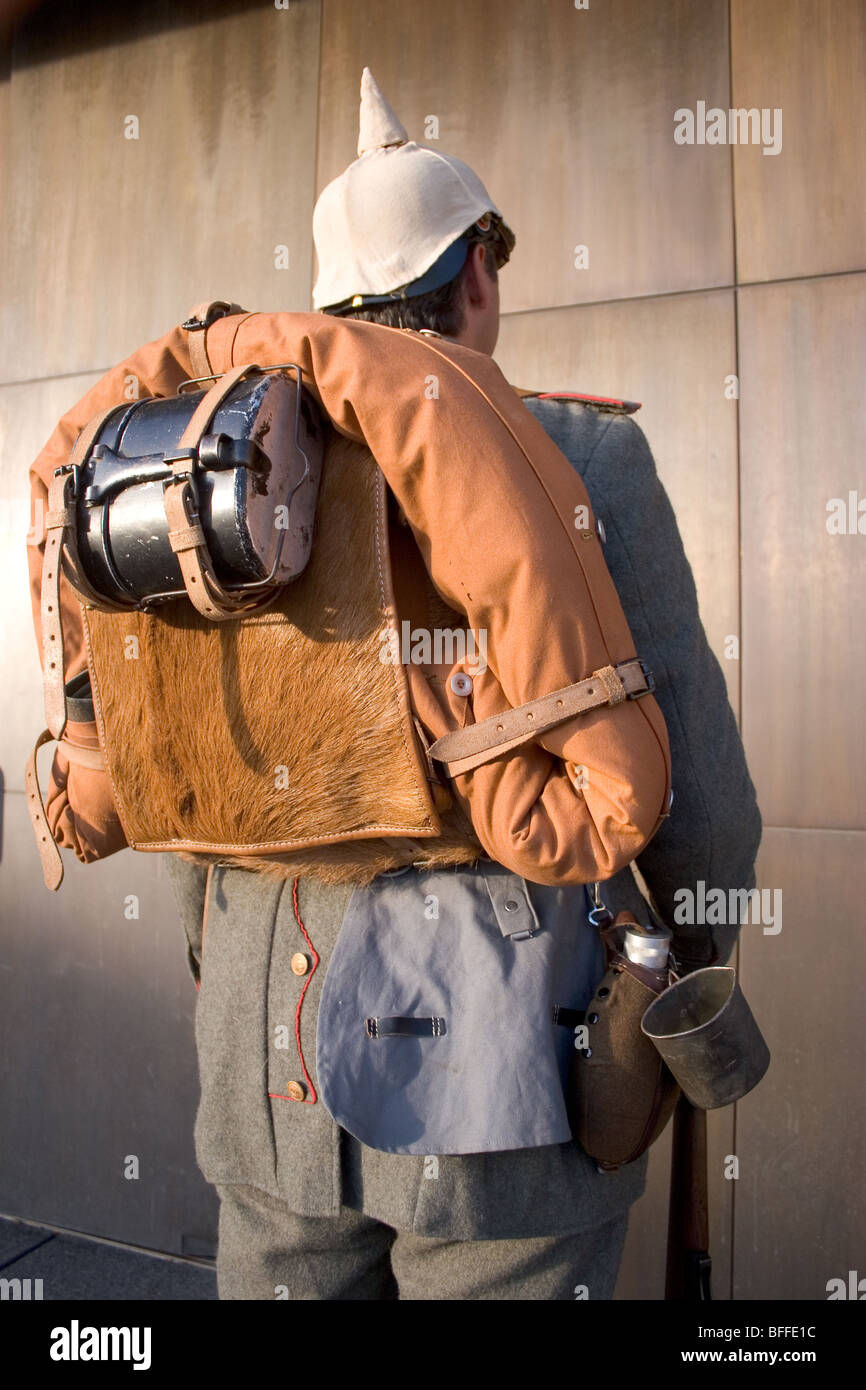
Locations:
(801, 1137)
(802, 211)
(185, 157)
(802, 420)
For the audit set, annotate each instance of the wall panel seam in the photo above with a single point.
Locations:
(680, 294)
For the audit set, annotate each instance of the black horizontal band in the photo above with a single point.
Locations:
(405, 1027)
(568, 1018)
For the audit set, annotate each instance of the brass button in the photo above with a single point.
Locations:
(300, 963)
(296, 1090)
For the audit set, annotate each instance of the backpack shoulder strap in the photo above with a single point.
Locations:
(200, 318)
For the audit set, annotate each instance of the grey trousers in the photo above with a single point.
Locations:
(267, 1251)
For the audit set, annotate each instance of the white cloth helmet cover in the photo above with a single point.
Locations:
(388, 218)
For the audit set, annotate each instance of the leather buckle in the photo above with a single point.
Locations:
(650, 682)
(187, 476)
(69, 468)
(217, 310)
(188, 455)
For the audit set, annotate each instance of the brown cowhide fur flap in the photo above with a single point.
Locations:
(280, 741)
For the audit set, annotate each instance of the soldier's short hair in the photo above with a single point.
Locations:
(442, 309)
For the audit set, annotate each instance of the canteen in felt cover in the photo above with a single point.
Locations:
(256, 475)
(621, 1094)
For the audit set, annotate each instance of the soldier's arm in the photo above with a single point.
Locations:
(714, 828)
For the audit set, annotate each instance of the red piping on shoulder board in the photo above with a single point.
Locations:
(629, 406)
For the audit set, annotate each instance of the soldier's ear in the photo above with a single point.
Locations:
(478, 283)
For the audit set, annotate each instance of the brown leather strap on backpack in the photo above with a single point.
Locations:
(49, 853)
(52, 863)
(61, 553)
(468, 748)
(200, 319)
(185, 533)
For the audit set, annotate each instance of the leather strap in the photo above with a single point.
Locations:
(405, 1027)
(515, 914)
(200, 319)
(201, 366)
(83, 757)
(479, 743)
(207, 406)
(185, 534)
(52, 863)
(61, 552)
(59, 518)
(49, 853)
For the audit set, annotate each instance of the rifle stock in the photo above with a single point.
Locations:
(688, 1258)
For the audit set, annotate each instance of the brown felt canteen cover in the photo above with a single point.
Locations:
(621, 1094)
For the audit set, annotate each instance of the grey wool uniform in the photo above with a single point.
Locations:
(458, 1131)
